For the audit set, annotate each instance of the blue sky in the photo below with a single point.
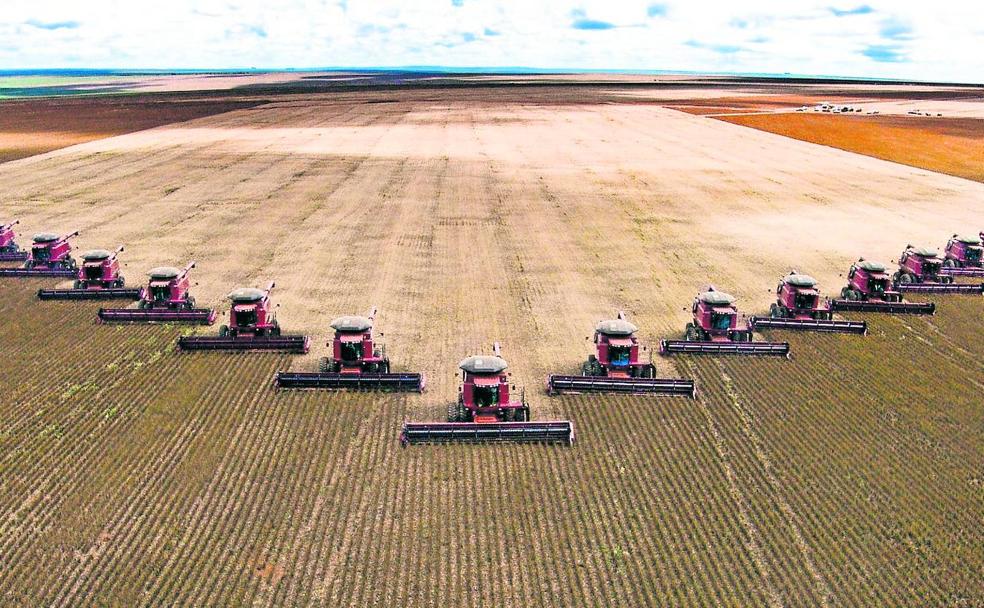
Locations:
(941, 40)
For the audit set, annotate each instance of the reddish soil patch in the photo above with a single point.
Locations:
(954, 146)
(35, 126)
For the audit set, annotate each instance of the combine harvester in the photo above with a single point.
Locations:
(357, 362)
(799, 306)
(920, 271)
(10, 251)
(617, 368)
(715, 331)
(50, 256)
(868, 290)
(164, 300)
(486, 412)
(99, 278)
(252, 326)
(964, 257)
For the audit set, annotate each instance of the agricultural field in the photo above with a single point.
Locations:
(130, 473)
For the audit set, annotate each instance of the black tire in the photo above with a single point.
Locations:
(692, 334)
(522, 414)
(950, 263)
(324, 365)
(275, 330)
(384, 367)
(905, 279)
(77, 284)
(223, 331)
(774, 311)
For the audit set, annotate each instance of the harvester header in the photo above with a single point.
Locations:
(716, 330)
(921, 271)
(488, 410)
(964, 257)
(868, 290)
(166, 299)
(50, 256)
(98, 278)
(252, 326)
(357, 362)
(616, 367)
(799, 306)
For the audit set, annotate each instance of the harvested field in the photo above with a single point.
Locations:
(954, 146)
(40, 125)
(134, 474)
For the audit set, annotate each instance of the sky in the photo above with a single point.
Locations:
(941, 40)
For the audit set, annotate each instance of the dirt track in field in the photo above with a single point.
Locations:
(133, 474)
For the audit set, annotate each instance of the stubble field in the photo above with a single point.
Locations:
(135, 474)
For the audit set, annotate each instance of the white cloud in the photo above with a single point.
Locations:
(873, 38)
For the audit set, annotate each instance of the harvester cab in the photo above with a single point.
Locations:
(251, 313)
(98, 278)
(616, 366)
(919, 265)
(715, 330)
(10, 251)
(716, 319)
(100, 269)
(487, 409)
(49, 251)
(252, 326)
(353, 348)
(868, 290)
(50, 256)
(964, 256)
(799, 306)
(164, 300)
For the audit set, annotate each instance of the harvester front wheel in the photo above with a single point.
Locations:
(275, 330)
(223, 331)
(905, 278)
(950, 263)
(691, 333)
(522, 414)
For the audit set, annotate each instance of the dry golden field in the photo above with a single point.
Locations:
(130, 474)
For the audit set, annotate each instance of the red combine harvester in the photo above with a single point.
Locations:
(252, 326)
(164, 300)
(357, 362)
(51, 256)
(487, 412)
(799, 306)
(868, 290)
(617, 367)
(99, 278)
(920, 271)
(715, 331)
(10, 251)
(963, 257)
